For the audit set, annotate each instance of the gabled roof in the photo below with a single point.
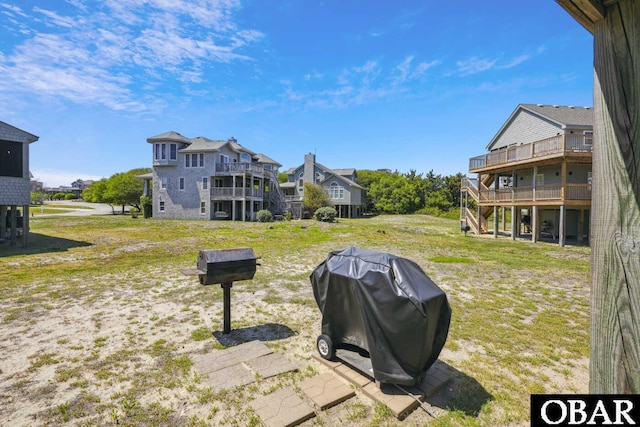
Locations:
(345, 172)
(169, 136)
(564, 116)
(26, 135)
(266, 160)
(201, 144)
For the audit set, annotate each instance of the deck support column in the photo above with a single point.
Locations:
(495, 221)
(244, 198)
(534, 223)
(514, 222)
(14, 224)
(25, 225)
(3, 222)
(562, 225)
(233, 198)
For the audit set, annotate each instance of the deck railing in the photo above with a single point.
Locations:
(540, 193)
(239, 168)
(230, 192)
(559, 144)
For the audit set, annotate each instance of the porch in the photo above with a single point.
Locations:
(575, 145)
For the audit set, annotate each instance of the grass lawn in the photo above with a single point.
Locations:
(98, 324)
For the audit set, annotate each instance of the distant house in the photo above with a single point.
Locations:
(347, 196)
(201, 178)
(15, 183)
(538, 166)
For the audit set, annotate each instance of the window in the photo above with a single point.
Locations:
(181, 185)
(201, 160)
(187, 157)
(163, 182)
(173, 152)
(194, 160)
(224, 158)
(589, 178)
(161, 206)
(267, 167)
(244, 157)
(157, 151)
(11, 159)
(336, 191)
(317, 177)
(588, 137)
(164, 151)
(205, 183)
(203, 207)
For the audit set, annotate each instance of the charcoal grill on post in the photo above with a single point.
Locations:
(225, 266)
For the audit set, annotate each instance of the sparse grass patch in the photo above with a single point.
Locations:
(132, 322)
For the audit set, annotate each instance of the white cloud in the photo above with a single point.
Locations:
(407, 72)
(90, 56)
(475, 65)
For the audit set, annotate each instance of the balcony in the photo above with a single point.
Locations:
(230, 193)
(539, 194)
(239, 169)
(165, 162)
(557, 146)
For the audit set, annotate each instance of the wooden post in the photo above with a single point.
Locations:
(13, 221)
(25, 225)
(615, 220)
(562, 225)
(3, 222)
(534, 223)
(615, 266)
(514, 222)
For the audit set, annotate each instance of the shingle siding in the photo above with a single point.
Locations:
(526, 128)
(15, 191)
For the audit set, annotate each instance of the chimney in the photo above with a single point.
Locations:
(309, 168)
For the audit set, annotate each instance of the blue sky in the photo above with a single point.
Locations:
(367, 84)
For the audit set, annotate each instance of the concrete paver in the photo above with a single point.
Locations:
(216, 360)
(270, 365)
(230, 377)
(282, 408)
(326, 390)
(389, 395)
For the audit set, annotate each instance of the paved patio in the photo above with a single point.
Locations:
(245, 363)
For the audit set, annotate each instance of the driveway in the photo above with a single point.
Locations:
(80, 208)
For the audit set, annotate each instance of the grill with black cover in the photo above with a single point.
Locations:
(385, 305)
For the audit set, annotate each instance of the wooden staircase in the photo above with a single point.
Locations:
(469, 186)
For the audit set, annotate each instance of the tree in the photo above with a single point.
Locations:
(120, 189)
(95, 192)
(394, 194)
(125, 189)
(315, 197)
(283, 177)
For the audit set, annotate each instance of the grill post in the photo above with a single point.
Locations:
(226, 290)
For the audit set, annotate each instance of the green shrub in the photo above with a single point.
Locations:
(58, 196)
(264, 216)
(70, 196)
(325, 214)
